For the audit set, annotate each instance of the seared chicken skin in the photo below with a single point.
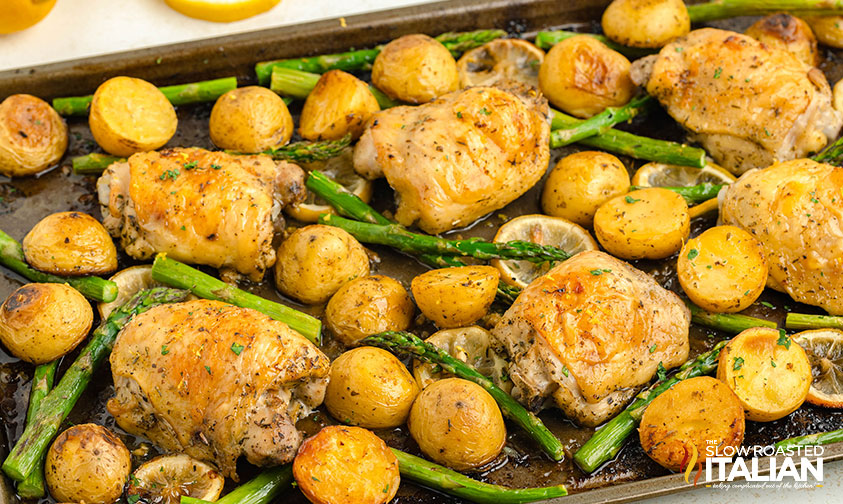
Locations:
(795, 209)
(587, 333)
(216, 382)
(749, 105)
(459, 157)
(199, 206)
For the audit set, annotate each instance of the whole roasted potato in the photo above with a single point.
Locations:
(316, 260)
(131, 115)
(250, 119)
(71, 244)
(458, 424)
(40, 322)
(788, 33)
(346, 465)
(339, 104)
(415, 69)
(456, 297)
(370, 388)
(87, 463)
(646, 23)
(33, 136)
(827, 29)
(366, 306)
(582, 76)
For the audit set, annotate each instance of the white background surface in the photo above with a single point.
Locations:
(80, 28)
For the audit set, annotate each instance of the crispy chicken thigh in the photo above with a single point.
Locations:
(795, 209)
(747, 104)
(216, 381)
(587, 333)
(459, 157)
(199, 206)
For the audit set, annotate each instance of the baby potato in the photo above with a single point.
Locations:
(366, 306)
(458, 424)
(370, 388)
(346, 465)
(724, 269)
(87, 463)
(131, 115)
(315, 261)
(250, 119)
(580, 183)
(649, 223)
(456, 297)
(339, 104)
(582, 76)
(645, 23)
(827, 29)
(770, 374)
(415, 69)
(40, 322)
(788, 33)
(33, 136)
(70, 244)
(695, 413)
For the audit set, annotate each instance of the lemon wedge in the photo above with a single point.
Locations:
(825, 351)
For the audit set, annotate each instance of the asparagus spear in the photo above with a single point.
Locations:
(94, 163)
(293, 83)
(547, 39)
(262, 489)
(722, 9)
(11, 256)
(42, 382)
(601, 122)
(408, 343)
(802, 321)
(693, 194)
(173, 273)
(728, 322)
(821, 438)
(362, 59)
(181, 94)
(607, 442)
(308, 152)
(32, 445)
(831, 154)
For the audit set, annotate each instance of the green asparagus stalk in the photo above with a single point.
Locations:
(831, 154)
(453, 483)
(181, 94)
(308, 152)
(96, 288)
(32, 445)
(607, 442)
(822, 438)
(693, 194)
(802, 321)
(547, 39)
(262, 489)
(601, 123)
(362, 59)
(727, 322)
(410, 344)
(176, 274)
(297, 84)
(94, 163)
(42, 382)
(722, 9)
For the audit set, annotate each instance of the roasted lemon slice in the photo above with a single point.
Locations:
(129, 282)
(501, 59)
(164, 480)
(339, 169)
(221, 11)
(544, 230)
(667, 175)
(825, 351)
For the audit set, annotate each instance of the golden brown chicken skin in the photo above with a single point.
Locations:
(587, 333)
(216, 382)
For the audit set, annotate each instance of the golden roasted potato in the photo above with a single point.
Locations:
(724, 269)
(511, 59)
(250, 119)
(456, 297)
(788, 33)
(70, 244)
(40, 322)
(827, 29)
(346, 465)
(645, 23)
(458, 424)
(415, 69)
(837, 96)
(339, 104)
(472, 345)
(131, 115)
(693, 415)
(368, 305)
(315, 261)
(582, 76)
(33, 136)
(87, 463)
(770, 374)
(648, 223)
(580, 183)
(370, 388)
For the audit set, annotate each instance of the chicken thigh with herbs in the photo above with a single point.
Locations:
(587, 333)
(459, 157)
(216, 382)
(200, 206)
(748, 104)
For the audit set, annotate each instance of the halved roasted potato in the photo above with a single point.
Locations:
(33, 136)
(71, 244)
(456, 297)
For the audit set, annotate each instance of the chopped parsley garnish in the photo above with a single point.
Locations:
(484, 111)
(692, 254)
(653, 348)
(737, 363)
(216, 167)
(171, 174)
(717, 72)
(768, 305)
(208, 369)
(237, 348)
(661, 372)
(565, 370)
(191, 165)
(631, 200)
(597, 272)
(164, 350)
(784, 339)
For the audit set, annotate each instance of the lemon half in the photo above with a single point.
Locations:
(221, 11)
